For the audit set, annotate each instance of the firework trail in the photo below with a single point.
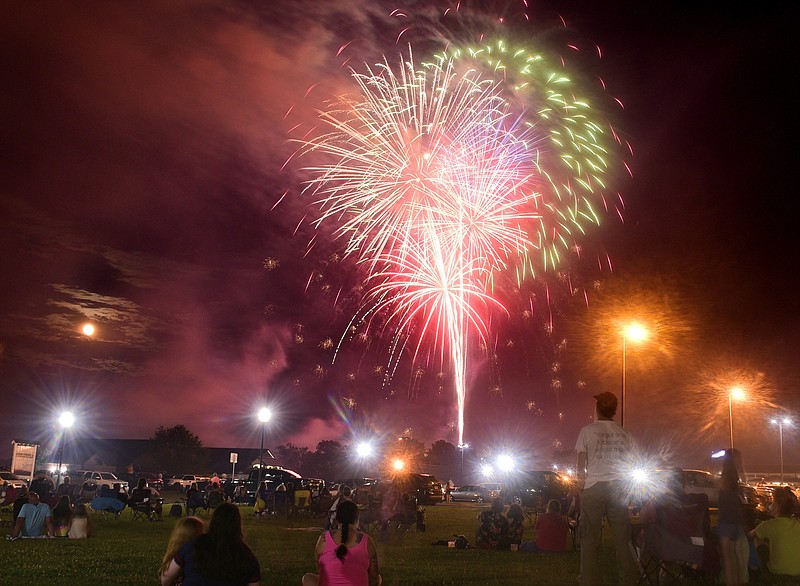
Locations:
(441, 176)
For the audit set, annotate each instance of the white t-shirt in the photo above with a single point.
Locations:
(606, 444)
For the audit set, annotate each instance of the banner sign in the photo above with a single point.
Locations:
(23, 459)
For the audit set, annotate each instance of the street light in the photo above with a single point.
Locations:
(264, 415)
(780, 422)
(637, 333)
(735, 394)
(65, 420)
(462, 447)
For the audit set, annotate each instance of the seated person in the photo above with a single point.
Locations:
(194, 498)
(8, 496)
(121, 493)
(782, 536)
(405, 511)
(516, 524)
(685, 517)
(61, 514)
(552, 531)
(88, 491)
(142, 493)
(215, 497)
(106, 492)
(492, 527)
(345, 555)
(42, 486)
(66, 488)
(34, 519)
(80, 525)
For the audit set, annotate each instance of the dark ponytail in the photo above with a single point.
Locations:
(346, 515)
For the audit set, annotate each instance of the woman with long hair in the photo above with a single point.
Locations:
(217, 557)
(731, 524)
(61, 514)
(80, 523)
(185, 530)
(345, 556)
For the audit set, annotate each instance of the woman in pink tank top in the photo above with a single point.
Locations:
(345, 556)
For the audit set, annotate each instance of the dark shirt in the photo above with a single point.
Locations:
(249, 572)
(730, 508)
(140, 494)
(492, 531)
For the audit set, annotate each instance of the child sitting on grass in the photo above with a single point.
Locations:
(186, 529)
(80, 524)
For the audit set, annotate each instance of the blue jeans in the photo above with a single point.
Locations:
(605, 499)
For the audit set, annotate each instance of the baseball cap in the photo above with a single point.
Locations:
(606, 401)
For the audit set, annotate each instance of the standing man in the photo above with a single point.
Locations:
(602, 447)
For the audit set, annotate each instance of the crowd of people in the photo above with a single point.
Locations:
(738, 547)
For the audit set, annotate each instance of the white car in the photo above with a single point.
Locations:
(185, 481)
(12, 479)
(101, 479)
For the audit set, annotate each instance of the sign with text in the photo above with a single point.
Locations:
(23, 459)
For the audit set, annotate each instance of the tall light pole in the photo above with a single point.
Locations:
(65, 420)
(264, 415)
(735, 394)
(462, 447)
(780, 422)
(634, 332)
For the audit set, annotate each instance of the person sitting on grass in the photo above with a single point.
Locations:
(492, 527)
(345, 556)
(61, 514)
(34, 519)
(80, 525)
(552, 532)
(781, 556)
(516, 524)
(218, 557)
(185, 530)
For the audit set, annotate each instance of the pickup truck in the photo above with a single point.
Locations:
(185, 481)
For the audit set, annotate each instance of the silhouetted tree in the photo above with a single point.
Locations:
(178, 450)
(327, 461)
(291, 456)
(443, 453)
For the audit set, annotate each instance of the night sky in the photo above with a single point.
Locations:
(143, 157)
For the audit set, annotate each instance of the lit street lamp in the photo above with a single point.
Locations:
(634, 332)
(264, 415)
(735, 394)
(65, 420)
(462, 447)
(780, 422)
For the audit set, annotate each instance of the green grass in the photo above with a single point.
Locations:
(127, 552)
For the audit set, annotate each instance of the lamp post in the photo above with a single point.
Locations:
(264, 415)
(462, 447)
(780, 422)
(65, 420)
(635, 332)
(738, 394)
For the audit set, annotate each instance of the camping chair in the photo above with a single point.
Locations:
(369, 519)
(302, 501)
(679, 546)
(142, 510)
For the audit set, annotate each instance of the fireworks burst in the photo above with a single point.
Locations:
(442, 177)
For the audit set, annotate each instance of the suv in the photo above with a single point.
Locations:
(536, 488)
(100, 479)
(273, 476)
(12, 479)
(426, 488)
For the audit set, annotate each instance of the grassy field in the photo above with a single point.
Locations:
(126, 552)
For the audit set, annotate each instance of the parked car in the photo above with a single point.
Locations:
(99, 479)
(469, 492)
(536, 488)
(153, 481)
(184, 482)
(424, 487)
(492, 489)
(12, 479)
(273, 476)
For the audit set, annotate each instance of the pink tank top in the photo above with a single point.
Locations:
(353, 571)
